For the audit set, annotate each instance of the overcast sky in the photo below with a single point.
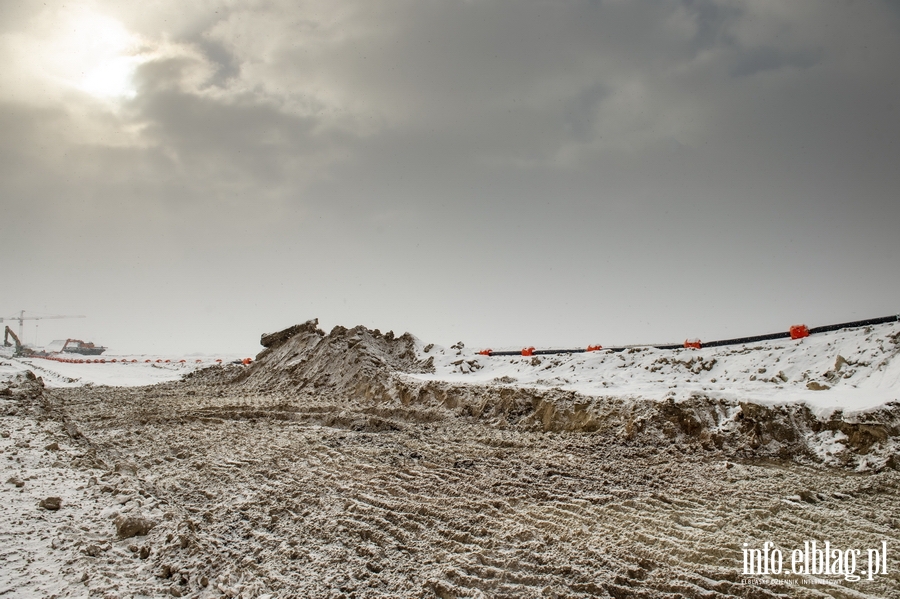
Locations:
(189, 175)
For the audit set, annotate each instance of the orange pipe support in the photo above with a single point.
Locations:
(799, 331)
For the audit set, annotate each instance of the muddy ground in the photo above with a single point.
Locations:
(256, 495)
(311, 490)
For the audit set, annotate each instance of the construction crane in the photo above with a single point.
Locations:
(22, 318)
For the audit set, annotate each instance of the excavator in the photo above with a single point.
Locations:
(20, 349)
(85, 348)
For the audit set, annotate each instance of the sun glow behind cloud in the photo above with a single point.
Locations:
(78, 48)
(110, 79)
(100, 56)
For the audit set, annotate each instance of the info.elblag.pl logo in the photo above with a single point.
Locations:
(817, 559)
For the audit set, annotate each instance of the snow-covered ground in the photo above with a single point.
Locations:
(49, 553)
(126, 371)
(853, 369)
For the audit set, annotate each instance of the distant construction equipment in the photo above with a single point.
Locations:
(6, 335)
(85, 348)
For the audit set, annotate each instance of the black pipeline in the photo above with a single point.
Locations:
(796, 332)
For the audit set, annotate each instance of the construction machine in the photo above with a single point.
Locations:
(85, 348)
(20, 349)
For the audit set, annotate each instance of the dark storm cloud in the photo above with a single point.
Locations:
(680, 162)
(758, 60)
(227, 67)
(218, 140)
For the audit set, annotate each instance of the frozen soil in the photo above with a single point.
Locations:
(324, 471)
(72, 551)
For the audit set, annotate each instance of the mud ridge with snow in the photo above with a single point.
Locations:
(390, 373)
(362, 464)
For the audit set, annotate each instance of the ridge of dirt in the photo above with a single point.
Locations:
(325, 469)
(370, 370)
(352, 362)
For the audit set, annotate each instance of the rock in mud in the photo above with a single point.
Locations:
(126, 467)
(133, 526)
(273, 340)
(51, 503)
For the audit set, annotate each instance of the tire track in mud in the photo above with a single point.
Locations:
(307, 497)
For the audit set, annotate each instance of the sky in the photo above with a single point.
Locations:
(555, 173)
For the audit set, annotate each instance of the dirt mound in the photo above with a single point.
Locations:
(21, 394)
(317, 377)
(356, 363)
(23, 386)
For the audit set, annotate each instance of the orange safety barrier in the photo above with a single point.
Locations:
(67, 360)
(594, 347)
(126, 360)
(528, 351)
(485, 352)
(692, 344)
(799, 331)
